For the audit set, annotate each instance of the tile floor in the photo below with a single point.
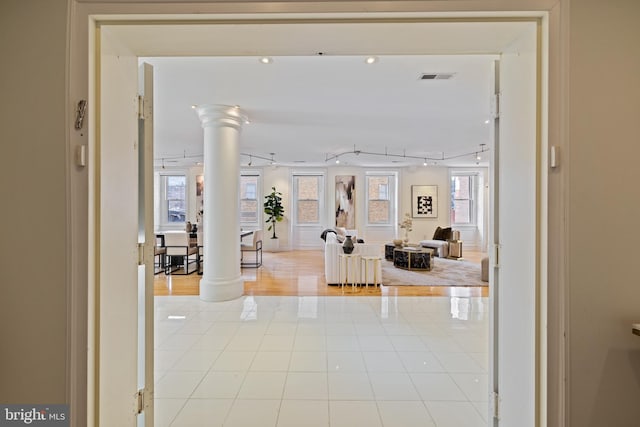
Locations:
(321, 361)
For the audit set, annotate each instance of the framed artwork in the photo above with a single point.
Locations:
(346, 201)
(424, 201)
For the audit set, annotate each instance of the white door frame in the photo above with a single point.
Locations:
(552, 199)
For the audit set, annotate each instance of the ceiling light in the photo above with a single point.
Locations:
(194, 106)
(478, 157)
(337, 161)
(371, 60)
(266, 60)
(486, 122)
(425, 162)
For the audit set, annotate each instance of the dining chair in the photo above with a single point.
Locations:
(200, 240)
(255, 246)
(159, 255)
(180, 254)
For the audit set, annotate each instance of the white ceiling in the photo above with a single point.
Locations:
(306, 106)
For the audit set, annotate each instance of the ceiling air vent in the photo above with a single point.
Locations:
(436, 76)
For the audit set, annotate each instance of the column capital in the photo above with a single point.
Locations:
(225, 115)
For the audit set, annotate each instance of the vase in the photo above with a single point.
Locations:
(347, 246)
(397, 243)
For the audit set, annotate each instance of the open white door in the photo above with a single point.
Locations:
(146, 238)
(514, 231)
(124, 333)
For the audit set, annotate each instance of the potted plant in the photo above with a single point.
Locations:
(273, 209)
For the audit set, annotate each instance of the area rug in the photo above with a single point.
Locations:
(444, 272)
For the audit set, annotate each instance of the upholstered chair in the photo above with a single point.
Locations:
(178, 246)
(255, 246)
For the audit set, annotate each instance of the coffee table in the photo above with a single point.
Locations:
(413, 258)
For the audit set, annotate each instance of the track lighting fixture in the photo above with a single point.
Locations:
(404, 155)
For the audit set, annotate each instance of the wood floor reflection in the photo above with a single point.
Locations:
(301, 273)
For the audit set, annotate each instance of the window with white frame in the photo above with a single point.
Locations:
(463, 194)
(307, 199)
(381, 199)
(174, 209)
(249, 203)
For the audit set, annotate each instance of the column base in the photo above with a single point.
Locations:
(221, 290)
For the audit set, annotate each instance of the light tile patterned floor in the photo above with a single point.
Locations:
(321, 361)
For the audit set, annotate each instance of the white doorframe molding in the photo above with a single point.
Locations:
(81, 77)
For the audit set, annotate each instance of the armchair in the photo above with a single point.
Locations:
(440, 242)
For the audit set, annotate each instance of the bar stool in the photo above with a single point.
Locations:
(350, 263)
(370, 262)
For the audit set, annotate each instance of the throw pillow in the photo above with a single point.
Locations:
(447, 233)
(443, 234)
(437, 235)
(323, 235)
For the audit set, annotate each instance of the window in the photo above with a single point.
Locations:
(175, 198)
(380, 199)
(462, 199)
(249, 204)
(307, 199)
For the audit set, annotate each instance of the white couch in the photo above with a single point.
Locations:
(332, 265)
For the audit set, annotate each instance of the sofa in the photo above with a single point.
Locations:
(440, 241)
(332, 267)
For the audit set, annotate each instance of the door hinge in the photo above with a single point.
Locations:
(140, 253)
(495, 399)
(495, 105)
(496, 255)
(140, 395)
(140, 107)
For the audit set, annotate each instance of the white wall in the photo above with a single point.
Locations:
(34, 243)
(423, 228)
(603, 294)
(604, 284)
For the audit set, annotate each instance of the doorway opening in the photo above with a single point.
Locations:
(535, 149)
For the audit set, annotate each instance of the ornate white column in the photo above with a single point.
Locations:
(221, 278)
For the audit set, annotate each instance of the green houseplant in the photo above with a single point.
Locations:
(273, 209)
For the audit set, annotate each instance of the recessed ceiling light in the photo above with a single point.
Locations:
(486, 122)
(371, 59)
(194, 106)
(266, 60)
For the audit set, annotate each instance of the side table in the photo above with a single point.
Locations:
(350, 262)
(370, 263)
(455, 249)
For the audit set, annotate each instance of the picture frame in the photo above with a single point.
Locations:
(345, 201)
(424, 201)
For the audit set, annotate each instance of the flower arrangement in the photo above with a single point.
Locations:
(406, 224)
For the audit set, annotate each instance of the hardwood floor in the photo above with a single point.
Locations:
(301, 273)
